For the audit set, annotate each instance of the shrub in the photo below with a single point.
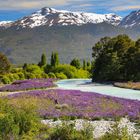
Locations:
(16, 70)
(34, 69)
(68, 132)
(44, 75)
(30, 76)
(17, 122)
(16, 77)
(117, 133)
(21, 76)
(51, 75)
(68, 70)
(11, 77)
(61, 75)
(82, 74)
(6, 80)
(38, 76)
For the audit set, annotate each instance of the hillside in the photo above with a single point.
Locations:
(69, 33)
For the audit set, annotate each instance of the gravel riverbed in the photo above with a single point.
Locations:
(99, 127)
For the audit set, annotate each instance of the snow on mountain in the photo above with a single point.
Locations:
(5, 24)
(53, 17)
(132, 20)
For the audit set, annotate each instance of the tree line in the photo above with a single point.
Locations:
(116, 59)
(43, 69)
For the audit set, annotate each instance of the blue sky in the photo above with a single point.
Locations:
(15, 9)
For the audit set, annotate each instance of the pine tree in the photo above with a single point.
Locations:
(43, 61)
(54, 59)
(84, 65)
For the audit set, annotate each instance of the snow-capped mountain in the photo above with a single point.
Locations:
(5, 24)
(53, 17)
(132, 20)
(21, 45)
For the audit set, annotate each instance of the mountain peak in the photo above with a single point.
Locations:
(51, 17)
(132, 20)
(5, 24)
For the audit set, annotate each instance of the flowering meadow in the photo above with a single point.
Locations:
(21, 85)
(56, 103)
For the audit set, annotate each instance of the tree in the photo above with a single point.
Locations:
(99, 46)
(88, 64)
(25, 66)
(43, 61)
(115, 58)
(84, 65)
(76, 63)
(54, 59)
(4, 64)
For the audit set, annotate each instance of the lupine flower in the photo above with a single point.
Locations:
(21, 85)
(83, 104)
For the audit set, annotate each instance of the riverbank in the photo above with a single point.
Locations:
(128, 85)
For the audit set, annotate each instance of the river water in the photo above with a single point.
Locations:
(105, 89)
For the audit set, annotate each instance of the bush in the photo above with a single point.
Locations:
(6, 80)
(38, 76)
(16, 122)
(68, 132)
(44, 75)
(68, 70)
(61, 75)
(82, 74)
(117, 134)
(34, 69)
(16, 77)
(21, 75)
(11, 77)
(30, 76)
(51, 75)
(16, 70)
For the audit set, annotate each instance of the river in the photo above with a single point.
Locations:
(105, 89)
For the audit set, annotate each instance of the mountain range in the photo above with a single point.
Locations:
(69, 33)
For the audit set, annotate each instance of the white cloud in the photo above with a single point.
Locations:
(29, 4)
(109, 5)
(124, 8)
(85, 5)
